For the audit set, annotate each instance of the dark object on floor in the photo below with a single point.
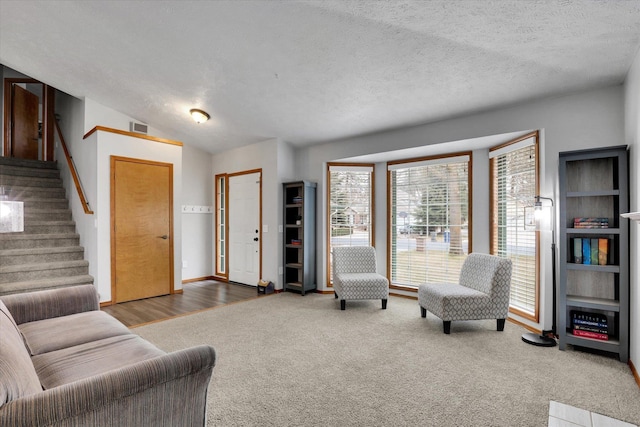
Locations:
(265, 287)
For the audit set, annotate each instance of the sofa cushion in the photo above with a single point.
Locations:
(18, 377)
(85, 360)
(47, 335)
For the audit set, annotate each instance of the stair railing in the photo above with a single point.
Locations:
(74, 174)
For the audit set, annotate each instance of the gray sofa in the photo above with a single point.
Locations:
(63, 362)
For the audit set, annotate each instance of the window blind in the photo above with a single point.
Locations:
(429, 219)
(514, 186)
(350, 217)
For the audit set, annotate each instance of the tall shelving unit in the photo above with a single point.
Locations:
(299, 236)
(594, 184)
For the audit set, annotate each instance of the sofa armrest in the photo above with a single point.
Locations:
(39, 305)
(166, 390)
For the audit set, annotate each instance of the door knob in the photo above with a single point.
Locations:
(165, 237)
(255, 240)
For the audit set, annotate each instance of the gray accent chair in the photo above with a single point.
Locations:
(355, 275)
(482, 292)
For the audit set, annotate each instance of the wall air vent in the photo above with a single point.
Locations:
(138, 127)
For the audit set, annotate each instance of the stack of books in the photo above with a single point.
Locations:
(297, 200)
(591, 223)
(590, 251)
(296, 241)
(589, 325)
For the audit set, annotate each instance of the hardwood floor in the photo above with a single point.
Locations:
(196, 296)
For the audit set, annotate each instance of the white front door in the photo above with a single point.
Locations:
(244, 228)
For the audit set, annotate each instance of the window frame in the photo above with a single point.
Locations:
(416, 160)
(221, 191)
(535, 317)
(372, 222)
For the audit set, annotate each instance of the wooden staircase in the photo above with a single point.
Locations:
(48, 253)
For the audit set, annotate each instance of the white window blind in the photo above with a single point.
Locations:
(429, 219)
(514, 178)
(350, 207)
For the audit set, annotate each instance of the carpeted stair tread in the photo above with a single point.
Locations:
(28, 163)
(44, 266)
(25, 236)
(29, 181)
(40, 255)
(33, 200)
(40, 251)
(20, 193)
(29, 171)
(32, 212)
(45, 222)
(42, 284)
(26, 240)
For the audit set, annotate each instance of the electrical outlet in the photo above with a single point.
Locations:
(184, 264)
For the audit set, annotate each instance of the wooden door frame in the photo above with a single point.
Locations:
(112, 179)
(48, 116)
(229, 176)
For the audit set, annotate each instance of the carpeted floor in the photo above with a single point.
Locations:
(289, 360)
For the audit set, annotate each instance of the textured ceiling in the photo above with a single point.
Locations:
(313, 71)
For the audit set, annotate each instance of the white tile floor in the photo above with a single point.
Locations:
(561, 415)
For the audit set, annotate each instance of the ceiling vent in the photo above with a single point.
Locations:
(138, 127)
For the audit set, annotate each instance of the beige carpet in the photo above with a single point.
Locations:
(288, 360)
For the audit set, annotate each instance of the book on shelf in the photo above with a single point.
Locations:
(598, 329)
(589, 334)
(590, 222)
(588, 319)
(586, 251)
(587, 323)
(603, 251)
(577, 250)
(594, 252)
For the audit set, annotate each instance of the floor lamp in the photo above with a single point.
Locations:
(546, 338)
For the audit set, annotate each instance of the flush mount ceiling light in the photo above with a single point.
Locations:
(199, 116)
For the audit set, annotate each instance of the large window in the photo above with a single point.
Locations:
(429, 217)
(514, 185)
(350, 207)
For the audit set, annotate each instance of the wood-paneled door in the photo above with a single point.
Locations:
(141, 229)
(18, 122)
(24, 123)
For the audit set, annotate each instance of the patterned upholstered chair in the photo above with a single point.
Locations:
(355, 275)
(482, 292)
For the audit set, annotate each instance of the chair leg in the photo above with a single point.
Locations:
(423, 312)
(343, 304)
(335, 294)
(447, 326)
(501, 324)
(384, 304)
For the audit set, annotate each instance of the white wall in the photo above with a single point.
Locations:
(273, 158)
(632, 134)
(197, 228)
(110, 144)
(71, 113)
(582, 120)
(92, 160)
